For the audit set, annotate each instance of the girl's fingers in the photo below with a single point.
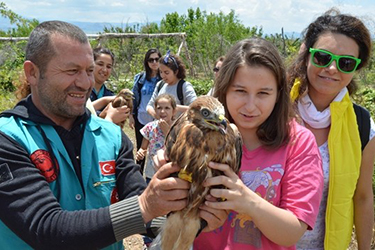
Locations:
(224, 168)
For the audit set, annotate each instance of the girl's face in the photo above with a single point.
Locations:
(103, 68)
(167, 74)
(217, 66)
(153, 62)
(251, 97)
(164, 110)
(326, 83)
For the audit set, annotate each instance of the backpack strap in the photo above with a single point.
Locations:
(363, 121)
(140, 81)
(180, 93)
(161, 84)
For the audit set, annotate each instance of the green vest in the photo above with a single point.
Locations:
(100, 148)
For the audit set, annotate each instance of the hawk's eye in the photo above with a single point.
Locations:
(205, 112)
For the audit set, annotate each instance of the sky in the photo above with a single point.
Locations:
(271, 15)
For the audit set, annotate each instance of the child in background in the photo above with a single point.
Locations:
(275, 197)
(154, 132)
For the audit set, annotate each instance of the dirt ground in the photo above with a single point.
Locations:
(134, 242)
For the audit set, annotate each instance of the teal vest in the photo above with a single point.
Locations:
(100, 148)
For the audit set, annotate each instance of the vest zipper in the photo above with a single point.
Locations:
(98, 183)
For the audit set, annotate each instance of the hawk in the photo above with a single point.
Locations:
(200, 135)
(124, 97)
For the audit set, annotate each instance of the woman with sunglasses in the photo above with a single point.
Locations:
(172, 71)
(216, 69)
(144, 85)
(335, 46)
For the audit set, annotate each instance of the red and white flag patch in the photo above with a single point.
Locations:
(107, 167)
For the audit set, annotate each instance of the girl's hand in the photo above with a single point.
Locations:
(236, 195)
(164, 126)
(140, 154)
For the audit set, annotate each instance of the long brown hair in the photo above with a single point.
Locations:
(257, 52)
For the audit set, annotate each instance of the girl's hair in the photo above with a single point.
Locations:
(330, 22)
(170, 98)
(100, 50)
(145, 62)
(257, 52)
(175, 64)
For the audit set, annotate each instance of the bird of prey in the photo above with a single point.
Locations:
(200, 135)
(124, 97)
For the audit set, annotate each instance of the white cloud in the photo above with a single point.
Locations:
(272, 15)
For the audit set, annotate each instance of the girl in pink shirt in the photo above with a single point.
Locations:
(275, 197)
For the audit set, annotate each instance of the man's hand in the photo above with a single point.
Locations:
(163, 194)
(215, 218)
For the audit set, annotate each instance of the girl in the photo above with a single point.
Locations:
(154, 132)
(172, 71)
(276, 195)
(335, 46)
(144, 85)
(104, 60)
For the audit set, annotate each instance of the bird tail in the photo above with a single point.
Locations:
(179, 231)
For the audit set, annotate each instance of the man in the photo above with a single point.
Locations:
(67, 179)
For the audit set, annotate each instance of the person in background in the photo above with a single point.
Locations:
(335, 47)
(216, 69)
(144, 85)
(68, 179)
(173, 73)
(275, 197)
(154, 132)
(104, 61)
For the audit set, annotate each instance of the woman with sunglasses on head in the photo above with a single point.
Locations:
(335, 46)
(144, 85)
(173, 73)
(216, 69)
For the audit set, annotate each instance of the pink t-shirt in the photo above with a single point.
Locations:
(290, 178)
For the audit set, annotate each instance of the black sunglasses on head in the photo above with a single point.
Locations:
(216, 69)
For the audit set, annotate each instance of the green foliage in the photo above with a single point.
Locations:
(209, 35)
(201, 86)
(24, 26)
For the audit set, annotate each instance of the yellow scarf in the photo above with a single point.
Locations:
(344, 145)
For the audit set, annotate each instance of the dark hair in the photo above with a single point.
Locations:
(145, 62)
(330, 21)
(257, 52)
(40, 50)
(169, 97)
(220, 59)
(100, 50)
(175, 63)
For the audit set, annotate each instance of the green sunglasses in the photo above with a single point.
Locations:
(322, 58)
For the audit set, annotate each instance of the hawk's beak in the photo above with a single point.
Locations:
(223, 125)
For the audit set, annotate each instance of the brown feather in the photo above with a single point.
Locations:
(192, 143)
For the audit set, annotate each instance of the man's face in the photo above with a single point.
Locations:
(66, 83)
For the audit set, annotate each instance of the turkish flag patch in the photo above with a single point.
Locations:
(107, 167)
